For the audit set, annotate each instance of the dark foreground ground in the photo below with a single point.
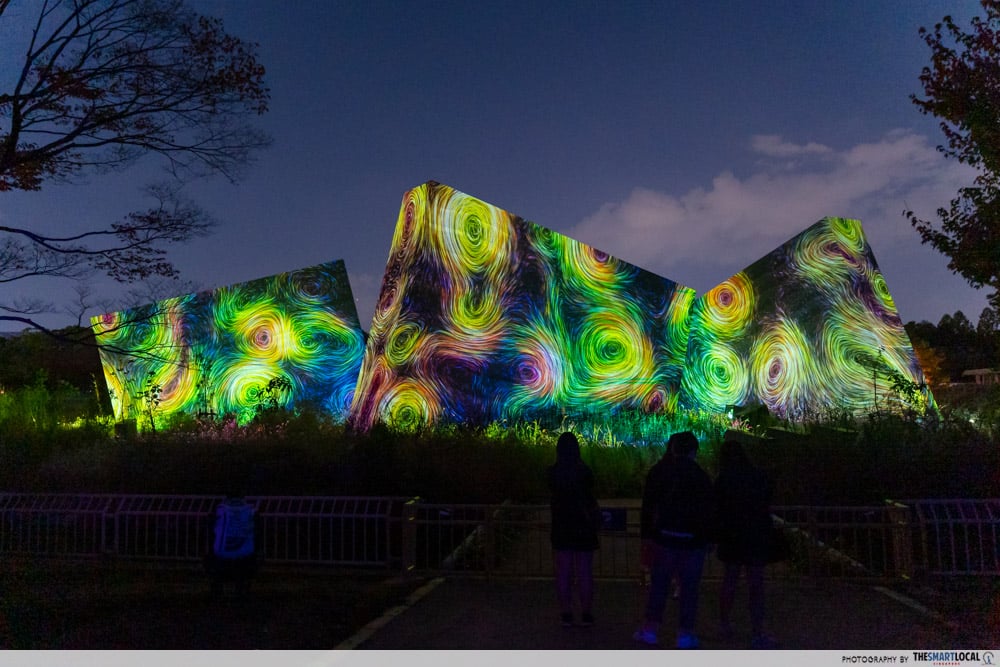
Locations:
(803, 615)
(49, 606)
(85, 606)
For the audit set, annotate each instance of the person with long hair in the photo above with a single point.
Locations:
(743, 495)
(575, 517)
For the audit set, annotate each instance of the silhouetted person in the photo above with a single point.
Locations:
(743, 494)
(234, 555)
(575, 516)
(678, 518)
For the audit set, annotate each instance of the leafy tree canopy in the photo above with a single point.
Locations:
(953, 345)
(962, 89)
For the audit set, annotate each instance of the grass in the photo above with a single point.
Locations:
(840, 459)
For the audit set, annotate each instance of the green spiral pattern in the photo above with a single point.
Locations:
(218, 350)
(404, 340)
(615, 358)
(717, 375)
(472, 238)
(526, 320)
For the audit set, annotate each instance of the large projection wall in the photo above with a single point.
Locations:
(800, 330)
(483, 316)
(218, 351)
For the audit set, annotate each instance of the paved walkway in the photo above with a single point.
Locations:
(464, 613)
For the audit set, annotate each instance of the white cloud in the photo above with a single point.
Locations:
(734, 220)
(773, 146)
(702, 236)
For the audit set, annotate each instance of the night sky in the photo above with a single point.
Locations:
(689, 138)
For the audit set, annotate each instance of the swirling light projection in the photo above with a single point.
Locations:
(615, 358)
(472, 238)
(727, 309)
(781, 367)
(144, 353)
(483, 316)
(541, 373)
(217, 351)
(409, 405)
(716, 374)
(513, 321)
(818, 311)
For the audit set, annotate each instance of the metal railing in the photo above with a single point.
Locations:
(957, 536)
(898, 539)
(847, 541)
(348, 531)
(509, 540)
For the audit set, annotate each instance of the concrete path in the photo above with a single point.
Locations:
(466, 613)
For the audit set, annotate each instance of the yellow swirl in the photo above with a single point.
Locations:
(476, 314)
(265, 335)
(239, 387)
(408, 406)
(471, 237)
(831, 251)
(322, 336)
(592, 271)
(404, 340)
(728, 308)
(782, 369)
(389, 307)
(411, 227)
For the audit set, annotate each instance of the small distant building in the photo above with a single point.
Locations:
(982, 375)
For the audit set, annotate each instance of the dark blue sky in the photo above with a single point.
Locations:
(689, 138)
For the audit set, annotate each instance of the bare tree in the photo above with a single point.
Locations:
(103, 83)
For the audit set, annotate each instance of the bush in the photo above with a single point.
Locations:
(840, 459)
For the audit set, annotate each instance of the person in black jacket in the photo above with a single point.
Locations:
(678, 520)
(743, 493)
(575, 517)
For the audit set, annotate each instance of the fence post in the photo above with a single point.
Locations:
(902, 543)
(408, 535)
(812, 565)
(491, 556)
(109, 515)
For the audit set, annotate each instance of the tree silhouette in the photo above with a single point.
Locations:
(962, 89)
(103, 83)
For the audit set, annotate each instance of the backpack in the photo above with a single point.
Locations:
(234, 529)
(682, 514)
